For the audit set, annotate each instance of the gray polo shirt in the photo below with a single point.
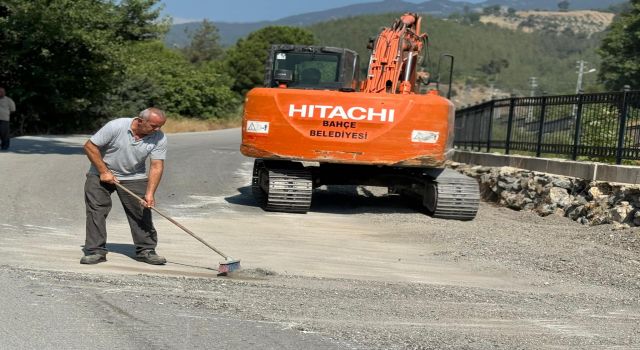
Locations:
(7, 106)
(122, 154)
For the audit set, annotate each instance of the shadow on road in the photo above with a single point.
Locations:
(122, 248)
(244, 198)
(348, 200)
(341, 200)
(43, 145)
(129, 250)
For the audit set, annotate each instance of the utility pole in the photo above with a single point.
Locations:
(533, 83)
(581, 67)
(581, 72)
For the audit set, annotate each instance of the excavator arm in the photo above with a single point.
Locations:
(393, 61)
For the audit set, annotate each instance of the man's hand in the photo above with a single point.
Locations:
(93, 153)
(155, 174)
(149, 201)
(108, 177)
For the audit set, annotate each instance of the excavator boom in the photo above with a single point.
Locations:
(393, 61)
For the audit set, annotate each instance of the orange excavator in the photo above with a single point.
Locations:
(315, 123)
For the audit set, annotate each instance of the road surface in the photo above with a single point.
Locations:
(361, 270)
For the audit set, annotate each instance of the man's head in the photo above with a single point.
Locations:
(150, 120)
(2, 92)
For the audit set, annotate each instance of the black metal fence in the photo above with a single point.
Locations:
(602, 126)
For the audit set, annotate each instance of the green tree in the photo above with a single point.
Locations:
(170, 82)
(204, 45)
(494, 66)
(60, 57)
(620, 50)
(619, 8)
(246, 61)
(455, 16)
(139, 20)
(469, 16)
(492, 10)
(563, 5)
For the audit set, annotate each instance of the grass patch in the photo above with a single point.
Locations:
(181, 124)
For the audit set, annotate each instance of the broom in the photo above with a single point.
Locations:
(228, 265)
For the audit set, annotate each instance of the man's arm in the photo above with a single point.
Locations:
(93, 153)
(12, 106)
(155, 174)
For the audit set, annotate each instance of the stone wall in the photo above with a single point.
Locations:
(584, 201)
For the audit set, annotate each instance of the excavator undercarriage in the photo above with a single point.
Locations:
(287, 186)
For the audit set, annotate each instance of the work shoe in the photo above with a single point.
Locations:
(150, 257)
(93, 259)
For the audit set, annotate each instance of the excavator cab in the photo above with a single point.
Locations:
(312, 67)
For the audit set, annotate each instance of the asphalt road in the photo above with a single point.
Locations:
(362, 270)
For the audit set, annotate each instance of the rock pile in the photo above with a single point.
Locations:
(587, 202)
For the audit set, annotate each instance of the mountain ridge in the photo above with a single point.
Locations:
(230, 32)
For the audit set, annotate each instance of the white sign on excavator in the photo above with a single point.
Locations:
(257, 127)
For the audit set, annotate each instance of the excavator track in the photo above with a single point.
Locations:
(256, 190)
(282, 189)
(452, 196)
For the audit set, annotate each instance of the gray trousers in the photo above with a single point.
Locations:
(97, 197)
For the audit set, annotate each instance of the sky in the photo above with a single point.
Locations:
(250, 10)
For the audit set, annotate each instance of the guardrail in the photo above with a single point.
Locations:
(602, 127)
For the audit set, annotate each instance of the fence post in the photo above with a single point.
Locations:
(476, 131)
(490, 126)
(578, 122)
(512, 107)
(468, 137)
(623, 121)
(543, 110)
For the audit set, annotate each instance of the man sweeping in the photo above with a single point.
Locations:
(118, 154)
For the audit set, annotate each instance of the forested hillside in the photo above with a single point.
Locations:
(484, 53)
(495, 53)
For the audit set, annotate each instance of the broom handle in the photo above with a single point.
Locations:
(174, 222)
